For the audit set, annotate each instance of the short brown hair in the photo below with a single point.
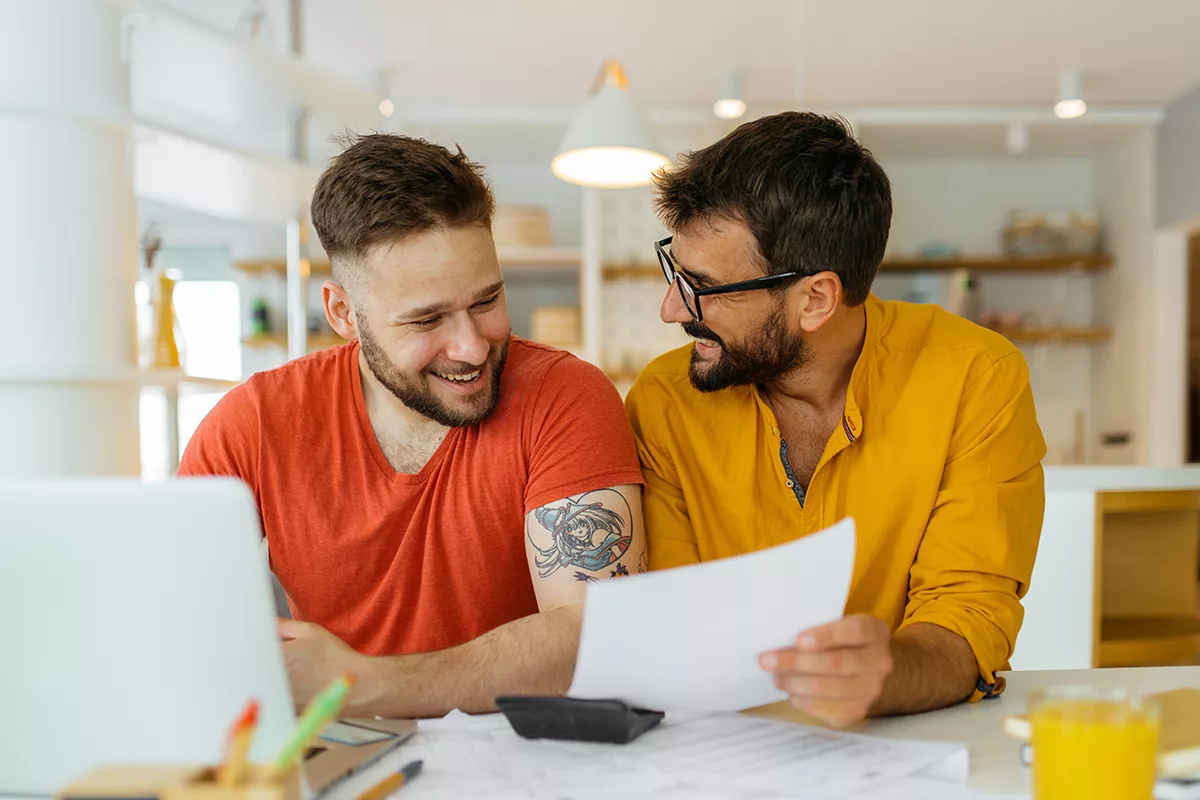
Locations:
(384, 187)
(814, 198)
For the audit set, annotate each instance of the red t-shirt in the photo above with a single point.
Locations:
(398, 563)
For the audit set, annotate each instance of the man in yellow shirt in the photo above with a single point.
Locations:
(805, 399)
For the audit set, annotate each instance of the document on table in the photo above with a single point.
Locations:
(689, 638)
(721, 755)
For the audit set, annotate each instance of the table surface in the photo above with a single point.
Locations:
(994, 756)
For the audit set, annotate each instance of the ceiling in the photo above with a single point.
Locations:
(534, 53)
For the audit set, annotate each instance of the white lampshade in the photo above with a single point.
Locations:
(608, 145)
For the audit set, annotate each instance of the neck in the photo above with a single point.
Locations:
(386, 412)
(822, 382)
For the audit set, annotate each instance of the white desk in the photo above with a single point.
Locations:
(995, 766)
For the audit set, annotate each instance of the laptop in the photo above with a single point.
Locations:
(136, 621)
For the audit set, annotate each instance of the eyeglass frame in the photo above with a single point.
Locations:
(675, 276)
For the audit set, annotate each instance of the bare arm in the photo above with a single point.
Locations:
(533, 655)
(569, 543)
(931, 668)
(847, 670)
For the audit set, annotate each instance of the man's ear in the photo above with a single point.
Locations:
(339, 311)
(820, 297)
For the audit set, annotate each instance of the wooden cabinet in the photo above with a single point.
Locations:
(1148, 548)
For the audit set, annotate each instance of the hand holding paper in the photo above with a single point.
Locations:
(690, 638)
(836, 671)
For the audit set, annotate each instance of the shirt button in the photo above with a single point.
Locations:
(790, 484)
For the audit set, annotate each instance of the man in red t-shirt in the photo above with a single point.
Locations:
(437, 494)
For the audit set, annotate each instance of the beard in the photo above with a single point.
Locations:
(417, 393)
(769, 353)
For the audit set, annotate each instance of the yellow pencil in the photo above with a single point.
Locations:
(391, 783)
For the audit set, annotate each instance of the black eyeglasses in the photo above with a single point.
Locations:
(691, 295)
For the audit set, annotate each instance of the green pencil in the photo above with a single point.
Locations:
(320, 711)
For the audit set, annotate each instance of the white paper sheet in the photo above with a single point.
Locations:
(689, 638)
(723, 755)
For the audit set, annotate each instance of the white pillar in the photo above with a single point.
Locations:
(591, 280)
(1167, 422)
(68, 401)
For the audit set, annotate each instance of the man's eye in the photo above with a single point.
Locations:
(425, 323)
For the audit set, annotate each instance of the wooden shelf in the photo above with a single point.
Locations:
(1149, 641)
(317, 341)
(509, 256)
(1056, 335)
(614, 272)
(117, 376)
(1064, 263)
(539, 256)
(268, 266)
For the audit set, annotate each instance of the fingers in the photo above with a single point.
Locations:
(840, 663)
(837, 671)
(825, 688)
(839, 701)
(858, 630)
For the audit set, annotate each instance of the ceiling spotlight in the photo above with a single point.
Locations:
(730, 105)
(1070, 95)
(384, 81)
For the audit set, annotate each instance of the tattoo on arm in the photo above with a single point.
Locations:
(586, 534)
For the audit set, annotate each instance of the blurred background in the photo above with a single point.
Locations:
(157, 159)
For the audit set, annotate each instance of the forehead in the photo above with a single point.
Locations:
(719, 248)
(433, 265)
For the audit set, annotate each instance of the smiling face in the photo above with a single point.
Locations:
(746, 337)
(433, 322)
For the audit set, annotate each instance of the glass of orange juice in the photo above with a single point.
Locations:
(1098, 744)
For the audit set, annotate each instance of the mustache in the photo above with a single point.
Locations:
(698, 330)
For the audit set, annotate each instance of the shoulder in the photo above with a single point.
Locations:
(536, 371)
(929, 333)
(268, 404)
(305, 377)
(664, 387)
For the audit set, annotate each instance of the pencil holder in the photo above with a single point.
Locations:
(181, 783)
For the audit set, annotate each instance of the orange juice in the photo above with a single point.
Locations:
(1093, 748)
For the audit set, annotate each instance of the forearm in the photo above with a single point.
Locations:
(531, 655)
(932, 668)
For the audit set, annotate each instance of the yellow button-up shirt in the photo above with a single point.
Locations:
(937, 459)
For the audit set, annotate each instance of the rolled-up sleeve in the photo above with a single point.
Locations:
(976, 558)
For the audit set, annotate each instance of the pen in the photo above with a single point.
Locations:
(233, 769)
(392, 782)
(320, 711)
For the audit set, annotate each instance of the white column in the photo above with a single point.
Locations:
(591, 279)
(1167, 422)
(68, 404)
